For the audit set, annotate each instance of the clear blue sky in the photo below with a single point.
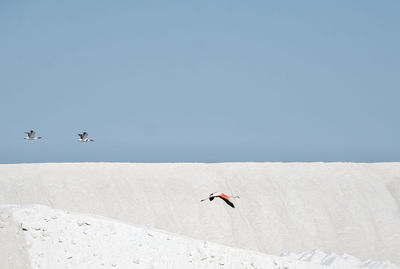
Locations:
(203, 81)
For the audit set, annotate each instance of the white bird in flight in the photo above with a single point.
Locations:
(31, 136)
(84, 138)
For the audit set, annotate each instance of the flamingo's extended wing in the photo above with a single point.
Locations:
(227, 200)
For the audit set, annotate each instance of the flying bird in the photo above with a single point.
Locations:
(31, 136)
(223, 196)
(84, 137)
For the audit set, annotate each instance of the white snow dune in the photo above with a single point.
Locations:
(349, 208)
(53, 239)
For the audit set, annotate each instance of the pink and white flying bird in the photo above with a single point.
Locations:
(223, 196)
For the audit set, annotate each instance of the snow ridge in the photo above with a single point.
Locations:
(59, 240)
(336, 260)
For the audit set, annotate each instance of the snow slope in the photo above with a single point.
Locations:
(54, 239)
(335, 260)
(334, 207)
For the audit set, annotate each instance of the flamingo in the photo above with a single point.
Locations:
(223, 196)
(84, 138)
(31, 136)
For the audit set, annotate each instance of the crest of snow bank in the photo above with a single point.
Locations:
(335, 260)
(55, 239)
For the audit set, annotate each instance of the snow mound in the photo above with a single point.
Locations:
(333, 207)
(55, 239)
(336, 260)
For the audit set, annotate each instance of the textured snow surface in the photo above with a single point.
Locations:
(333, 207)
(336, 260)
(54, 239)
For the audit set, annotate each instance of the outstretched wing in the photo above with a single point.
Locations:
(227, 200)
(31, 134)
(84, 136)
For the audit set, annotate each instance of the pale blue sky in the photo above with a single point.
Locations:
(203, 81)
